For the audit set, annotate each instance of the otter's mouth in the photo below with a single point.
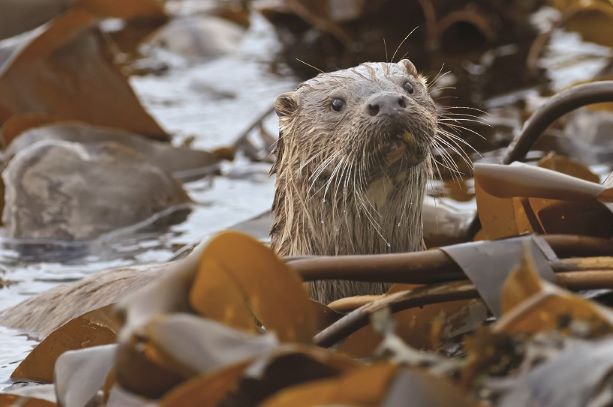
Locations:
(399, 146)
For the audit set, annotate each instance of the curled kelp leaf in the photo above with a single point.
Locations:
(566, 165)
(531, 304)
(487, 264)
(520, 198)
(523, 180)
(167, 294)
(402, 300)
(205, 390)
(10, 400)
(254, 291)
(250, 382)
(210, 281)
(71, 47)
(21, 16)
(363, 386)
(202, 345)
(380, 384)
(427, 327)
(286, 366)
(171, 349)
(124, 9)
(79, 375)
(94, 328)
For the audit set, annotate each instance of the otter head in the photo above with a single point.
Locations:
(353, 158)
(376, 117)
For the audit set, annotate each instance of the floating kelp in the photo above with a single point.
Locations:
(169, 351)
(99, 95)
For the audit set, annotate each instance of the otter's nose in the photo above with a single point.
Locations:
(386, 104)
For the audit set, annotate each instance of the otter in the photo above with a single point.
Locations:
(352, 160)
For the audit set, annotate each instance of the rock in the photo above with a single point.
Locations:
(182, 162)
(69, 191)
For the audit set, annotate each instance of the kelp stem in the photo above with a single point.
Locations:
(560, 104)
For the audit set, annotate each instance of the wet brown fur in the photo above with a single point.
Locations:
(335, 194)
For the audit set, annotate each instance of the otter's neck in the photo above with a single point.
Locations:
(385, 218)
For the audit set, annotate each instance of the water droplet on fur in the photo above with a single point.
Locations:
(388, 244)
(323, 201)
(322, 222)
(398, 224)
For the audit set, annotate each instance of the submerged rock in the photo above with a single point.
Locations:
(69, 191)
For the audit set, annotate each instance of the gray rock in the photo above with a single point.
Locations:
(69, 191)
(182, 162)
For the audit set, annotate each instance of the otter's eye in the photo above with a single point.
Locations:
(408, 87)
(338, 104)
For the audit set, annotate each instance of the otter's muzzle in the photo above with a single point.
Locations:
(386, 104)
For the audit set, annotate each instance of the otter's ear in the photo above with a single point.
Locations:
(408, 65)
(286, 104)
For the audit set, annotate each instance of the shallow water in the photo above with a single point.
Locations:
(186, 102)
(211, 104)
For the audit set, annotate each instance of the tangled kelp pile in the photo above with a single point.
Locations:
(477, 323)
(227, 329)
